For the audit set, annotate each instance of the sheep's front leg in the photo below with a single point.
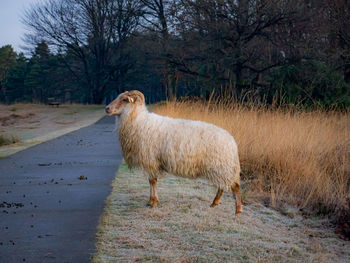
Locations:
(217, 198)
(236, 190)
(153, 200)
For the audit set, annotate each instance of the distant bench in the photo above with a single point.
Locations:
(53, 102)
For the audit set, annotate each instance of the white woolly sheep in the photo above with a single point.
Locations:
(184, 148)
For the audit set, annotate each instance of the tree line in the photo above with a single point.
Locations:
(88, 51)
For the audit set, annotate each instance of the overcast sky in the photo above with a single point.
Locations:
(11, 28)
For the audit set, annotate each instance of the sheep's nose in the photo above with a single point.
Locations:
(107, 109)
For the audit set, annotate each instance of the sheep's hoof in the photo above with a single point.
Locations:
(238, 210)
(213, 204)
(152, 203)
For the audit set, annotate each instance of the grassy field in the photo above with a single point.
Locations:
(23, 125)
(295, 181)
(290, 156)
(183, 228)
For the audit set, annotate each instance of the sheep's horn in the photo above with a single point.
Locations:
(137, 94)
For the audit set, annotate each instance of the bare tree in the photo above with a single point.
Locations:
(95, 31)
(338, 14)
(227, 41)
(157, 17)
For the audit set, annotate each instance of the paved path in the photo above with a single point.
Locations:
(47, 214)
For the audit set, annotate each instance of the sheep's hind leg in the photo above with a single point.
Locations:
(236, 190)
(217, 198)
(153, 200)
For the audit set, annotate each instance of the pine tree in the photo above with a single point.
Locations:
(7, 60)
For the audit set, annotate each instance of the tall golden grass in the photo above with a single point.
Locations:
(298, 157)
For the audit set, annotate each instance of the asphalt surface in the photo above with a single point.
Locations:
(52, 195)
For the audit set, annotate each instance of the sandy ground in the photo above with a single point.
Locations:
(31, 124)
(183, 228)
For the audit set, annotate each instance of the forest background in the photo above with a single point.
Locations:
(267, 51)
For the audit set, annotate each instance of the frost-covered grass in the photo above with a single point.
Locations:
(183, 228)
(294, 156)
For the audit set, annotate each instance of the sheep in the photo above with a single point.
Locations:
(159, 145)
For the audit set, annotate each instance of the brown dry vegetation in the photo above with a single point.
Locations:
(6, 139)
(289, 155)
(295, 165)
(183, 228)
(23, 125)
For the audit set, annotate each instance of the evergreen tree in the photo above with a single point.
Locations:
(7, 60)
(15, 88)
(41, 74)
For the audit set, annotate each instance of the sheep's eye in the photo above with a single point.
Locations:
(126, 100)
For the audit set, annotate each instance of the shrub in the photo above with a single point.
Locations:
(8, 139)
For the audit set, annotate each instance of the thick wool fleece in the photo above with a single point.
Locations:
(185, 148)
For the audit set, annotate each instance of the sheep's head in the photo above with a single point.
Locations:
(125, 102)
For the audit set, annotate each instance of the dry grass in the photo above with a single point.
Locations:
(295, 156)
(6, 139)
(183, 228)
(292, 159)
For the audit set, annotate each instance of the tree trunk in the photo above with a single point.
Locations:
(347, 72)
(98, 96)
